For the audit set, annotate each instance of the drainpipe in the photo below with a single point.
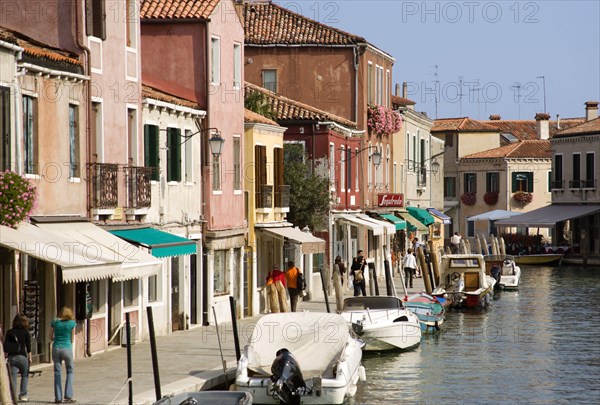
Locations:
(79, 33)
(355, 115)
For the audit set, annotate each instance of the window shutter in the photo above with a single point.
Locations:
(529, 182)
(263, 164)
(174, 161)
(89, 17)
(151, 149)
(514, 182)
(101, 19)
(257, 169)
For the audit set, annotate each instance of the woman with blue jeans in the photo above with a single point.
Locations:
(20, 359)
(63, 334)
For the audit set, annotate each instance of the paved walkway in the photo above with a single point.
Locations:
(188, 360)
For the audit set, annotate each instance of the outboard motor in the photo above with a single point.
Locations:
(287, 378)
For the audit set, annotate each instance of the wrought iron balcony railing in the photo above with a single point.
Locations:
(282, 196)
(557, 184)
(104, 184)
(264, 198)
(589, 183)
(575, 183)
(138, 186)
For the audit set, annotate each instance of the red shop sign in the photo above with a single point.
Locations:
(390, 200)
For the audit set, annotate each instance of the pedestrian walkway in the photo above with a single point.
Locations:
(188, 360)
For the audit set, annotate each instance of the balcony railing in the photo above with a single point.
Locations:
(138, 186)
(575, 183)
(422, 177)
(264, 198)
(104, 184)
(282, 196)
(557, 184)
(589, 184)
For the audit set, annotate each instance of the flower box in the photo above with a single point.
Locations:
(383, 121)
(522, 197)
(491, 198)
(17, 199)
(469, 198)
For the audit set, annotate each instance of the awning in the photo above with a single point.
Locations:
(414, 222)
(136, 262)
(494, 215)
(549, 215)
(310, 243)
(391, 229)
(445, 218)
(398, 222)
(79, 262)
(377, 229)
(422, 215)
(161, 244)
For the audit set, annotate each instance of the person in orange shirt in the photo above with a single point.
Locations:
(291, 276)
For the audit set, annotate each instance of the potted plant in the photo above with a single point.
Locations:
(491, 197)
(383, 121)
(17, 199)
(469, 198)
(522, 197)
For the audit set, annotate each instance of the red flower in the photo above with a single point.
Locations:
(522, 197)
(491, 198)
(469, 198)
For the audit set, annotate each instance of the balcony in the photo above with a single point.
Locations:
(557, 184)
(589, 184)
(103, 177)
(576, 184)
(282, 196)
(264, 198)
(422, 177)
(138, 186)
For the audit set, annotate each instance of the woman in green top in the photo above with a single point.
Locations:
(63, 334)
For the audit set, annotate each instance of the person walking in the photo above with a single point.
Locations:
(62, 336)
(410, 268)
(455, 242)
(291, 275)
(17, 344)
(357, 271)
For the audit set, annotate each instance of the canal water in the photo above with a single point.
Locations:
(540, 344)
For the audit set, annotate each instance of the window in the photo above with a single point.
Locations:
(98, 291)
(589, 170)
(369, 176)
(151, 149)
(153, 293)
(492, 182)
(450, 187)
(522, 181)
(342, 170)
(332, 166)
(281, 196)
(386, 102)
(95, 18)
(131, 19)
(260, 176)
(30, 141)
(130, 292)
(5, 131)
(387, 166)
(414, 153)
(449, 140)
(188, 151)
(215, 56)
(470, 229)
(349, 169)
(97, 122)
(237, 66)
(357, 170)
(73, 141)
(132, 129)
(549, 181)
(237, 163)
(269, 77)
(558, 171)
(379, 85)
(470, 183)
(173, 154)
(220, 276)
(576, 166)
(216, 175)
(394, 177)
(370, 83)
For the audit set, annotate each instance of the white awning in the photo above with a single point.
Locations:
(310, 243)
(136, 263)
(79, 262)
(549, 215)
(353, 219)
(493, 215)
(389, 227)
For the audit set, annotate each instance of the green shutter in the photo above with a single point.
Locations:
(514, 182)
(529, 182)
(151, 149)
(174, 160)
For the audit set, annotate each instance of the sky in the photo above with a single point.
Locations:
(476, 58)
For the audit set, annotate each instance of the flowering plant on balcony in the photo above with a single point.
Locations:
(383, 121)
(491, 197)
(522, 197)
(469, 198)
(17, 198)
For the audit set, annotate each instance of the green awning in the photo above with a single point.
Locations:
(161, 244)
(399, 222)
(413, 223)
(422, 215)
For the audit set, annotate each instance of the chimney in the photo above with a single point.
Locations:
(495, 117)
(397, 90)
(558, 122)
(405, 90)
(543, 125)
(591, 110)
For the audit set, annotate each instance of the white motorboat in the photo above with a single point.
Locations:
(300, 358)
(464, 282)
(504, 269)
(383, 322)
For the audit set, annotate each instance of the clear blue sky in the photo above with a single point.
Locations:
(502, 48)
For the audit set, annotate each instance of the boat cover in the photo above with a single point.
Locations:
(317, 341)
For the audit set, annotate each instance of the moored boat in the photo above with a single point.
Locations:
(382, 322)
(504, 269)
(546, 259)
(207, 397)
(430, 310)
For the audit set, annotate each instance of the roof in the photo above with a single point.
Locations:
(287, 109)
(588, 127)
(42, 54)
(463, 124)
(177, 9)
(527, 129)
(401, 101)
(150, 92)
(268, 23)
(251, 116)
(535, 148)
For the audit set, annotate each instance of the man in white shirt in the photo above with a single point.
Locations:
(410, 268)
(455, 242)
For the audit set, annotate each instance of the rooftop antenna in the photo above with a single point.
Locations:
(477, 89)
(544, 87)
(517, 86)
(460, 95)
(436, 84)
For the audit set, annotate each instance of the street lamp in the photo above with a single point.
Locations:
(216, 144)
(375, 156)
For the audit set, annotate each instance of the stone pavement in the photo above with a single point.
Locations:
(188, 360)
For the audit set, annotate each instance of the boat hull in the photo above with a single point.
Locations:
(391, 336)
(545, 259)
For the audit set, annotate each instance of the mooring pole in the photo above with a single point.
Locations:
(321, 271)
(129, 368)
(154, 353)
(236, 338)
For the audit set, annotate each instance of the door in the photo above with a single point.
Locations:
(176, 321)
(193, 289)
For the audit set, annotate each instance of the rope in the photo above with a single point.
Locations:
(121, 390)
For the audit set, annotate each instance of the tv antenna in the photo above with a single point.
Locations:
(460, 95)
(544, 88)
(477, 89)
(436, 83)
(517, 86)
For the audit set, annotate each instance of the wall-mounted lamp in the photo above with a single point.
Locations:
(375, 156)
(216, 144)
